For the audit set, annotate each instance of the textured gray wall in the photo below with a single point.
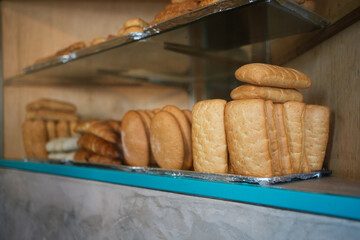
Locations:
(40, 206)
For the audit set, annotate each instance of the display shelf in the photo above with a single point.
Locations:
(164, 53)
(312, 196)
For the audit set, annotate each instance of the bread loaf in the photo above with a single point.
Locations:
(272, 76)
(247, 138)
(50, 104)
(293, 119)
(273, 138)
(317, 121)
(285, 160)
(98, 145)
(278, 95)
(167, 142)
(134, 141)
(208, 137)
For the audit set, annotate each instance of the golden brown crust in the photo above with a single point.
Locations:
(186, 132)
(72, 125)
(73, 47)
(110, 36)
(98, 128)
(208, 137)
(134, 29)
(293, 120)
(96, 158)
(50, 115)
(51, 130)
(149, 113)
(272, 76)
(278, 95)
(27, 138)
(121, 32)
(147, 122)
(39, 139)
(204, 3)
(51, 104)
(115, 125)
(62, 129)
(317, 121)
(175, 9)
(82, 155)
(135, 22)
(98, 145)
(285, 160)
(273, 140)
(134, 140)
(188, 115)
(167, 142)
(247, 138)
(97, 41)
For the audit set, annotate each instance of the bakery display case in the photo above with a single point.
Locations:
(178, 61)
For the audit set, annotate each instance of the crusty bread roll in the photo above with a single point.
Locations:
(272, 133)
(317, 121)
(208, 137)
(51, 104)
(293, 120)
(285, 160)
(134, 140)
(39, 139)
(278, 95)
(62, 129)
(135, 22)
(62, 144)
(186, 132)
(98, 145)
(98, 128)
(27, 138)
(247, 138)
(166, 140)
(49, 115)
(51, 129)
(272, 76)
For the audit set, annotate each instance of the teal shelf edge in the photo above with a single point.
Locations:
(324, 204)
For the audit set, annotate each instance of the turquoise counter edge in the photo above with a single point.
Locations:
(324, 204)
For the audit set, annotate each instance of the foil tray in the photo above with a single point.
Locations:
(225, 178)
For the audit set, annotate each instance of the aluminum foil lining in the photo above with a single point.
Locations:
(225, 178)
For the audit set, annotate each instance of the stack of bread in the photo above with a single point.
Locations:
(267, 129)
(62, 148)
(157, 138)
(47, 119)
(100, 142)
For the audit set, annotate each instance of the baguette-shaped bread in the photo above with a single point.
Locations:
(167, 143)
(317, 121)
(278, 95)
(50, 115)
(272, 76)
(208, 137)
(27, 138)
(134, 141)
(186, 132)
(51, 129)
(247, 138)
(62, 129)
(98, 145)
(98, 128)
(39, 139)
(62, 144)
(293, 119)
(285, 160)
(50, 104)
(272, 133)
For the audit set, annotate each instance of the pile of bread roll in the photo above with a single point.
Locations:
(47, 119)
(99, 142)
(138, 131)
(267, 130)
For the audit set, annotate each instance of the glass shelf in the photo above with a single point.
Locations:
(165, 52)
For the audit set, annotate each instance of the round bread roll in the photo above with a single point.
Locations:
(166, 140)
(186, 131)
(278, 95)
(134, 141)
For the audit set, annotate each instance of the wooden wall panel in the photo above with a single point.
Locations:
(334, 69)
